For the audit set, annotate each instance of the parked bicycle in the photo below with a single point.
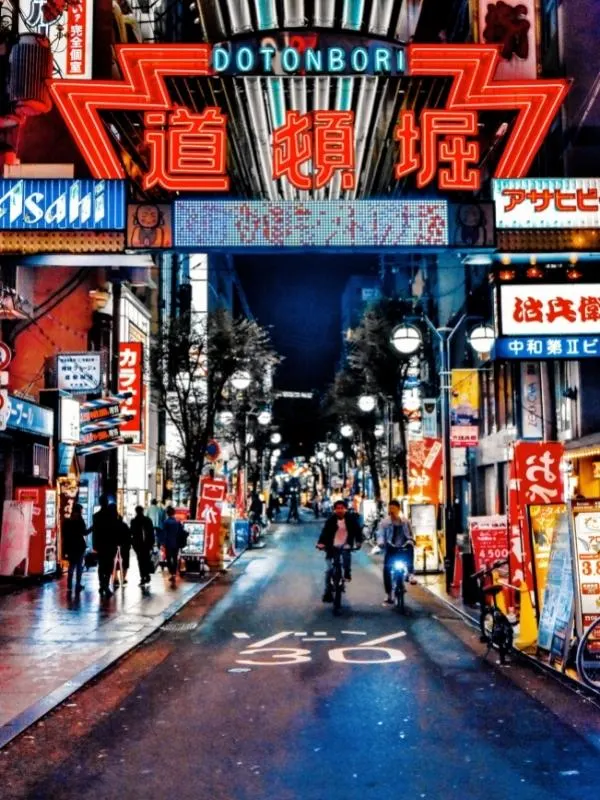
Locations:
(587, 659)
(496, 629)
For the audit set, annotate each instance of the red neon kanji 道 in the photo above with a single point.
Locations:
(443, 140)
(188, 152)
(325, 138)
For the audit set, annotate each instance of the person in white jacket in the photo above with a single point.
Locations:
(395, 536)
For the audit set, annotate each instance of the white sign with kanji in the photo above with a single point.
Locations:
(550, 309)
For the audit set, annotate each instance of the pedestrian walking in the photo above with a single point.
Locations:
(121, 565)
(105, 542)
(74, 547)
(142, 538)
(173, 538)
(156, 514)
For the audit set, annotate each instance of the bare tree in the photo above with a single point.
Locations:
(192, 362)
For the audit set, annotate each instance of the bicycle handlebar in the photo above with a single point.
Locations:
(486, 571)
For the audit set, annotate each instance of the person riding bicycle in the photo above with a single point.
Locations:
(396, 537)
(341, 530)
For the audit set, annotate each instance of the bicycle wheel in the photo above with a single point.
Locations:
(338, 587)
(486, 624)
(588, 656)
(400, 592)
(502, 636)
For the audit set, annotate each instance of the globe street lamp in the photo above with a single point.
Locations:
(379, 431)
(339, 455)
(482, 339)
(264, 417)
(275, 438)
(226, 417)
(367, 403)
(346, 431)
(332, 447)
(241, 380)
(406, 339)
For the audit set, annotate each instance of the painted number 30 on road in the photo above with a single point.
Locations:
(260, 654)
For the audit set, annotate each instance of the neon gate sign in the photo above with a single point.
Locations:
(188, 150)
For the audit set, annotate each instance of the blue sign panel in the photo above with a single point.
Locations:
(298, 224)
(61, 205)
(30, 418)
(533, 347)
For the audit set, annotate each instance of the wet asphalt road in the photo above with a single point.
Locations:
(256, 696)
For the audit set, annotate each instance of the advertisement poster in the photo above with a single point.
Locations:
(587, 548)
(196, 541)
(42, 544)
(464, 408)
(558, 596)
(131, 379)
(543, 525)
(489, 539)
(423, 519)
(14, 542)
(241, 534)
(424, 470)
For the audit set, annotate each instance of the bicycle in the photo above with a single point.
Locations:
(337, 581)
(496, 629)
(587, 659)
(399, 573)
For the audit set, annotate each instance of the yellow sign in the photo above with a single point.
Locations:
(464, 408)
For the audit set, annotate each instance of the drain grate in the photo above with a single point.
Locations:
(180, 627)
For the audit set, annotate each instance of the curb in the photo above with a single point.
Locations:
(42, 707)
(560, 677)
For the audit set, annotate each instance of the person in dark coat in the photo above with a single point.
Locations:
(341, 530)
(74, 546)
(105, 540)
(173, 537)
(142, 538)
(124, 542)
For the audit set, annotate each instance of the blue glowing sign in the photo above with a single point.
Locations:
(534, 347)
(258, 224)
(61, 205)
(30, 418)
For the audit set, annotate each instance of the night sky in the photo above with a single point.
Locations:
(300, 296)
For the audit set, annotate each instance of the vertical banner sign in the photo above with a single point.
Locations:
(429, 417)
(69, 29)
(212, 493)
(587, 548)
(538, 472)
(543, 524)
(464, 408)
(424, 470)
(532, 419)
(131, 379)
(489, 539)
(512, 25)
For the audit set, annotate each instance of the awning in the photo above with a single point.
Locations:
(584, 447)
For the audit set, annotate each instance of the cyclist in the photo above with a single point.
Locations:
(340, 530)
(395, 536)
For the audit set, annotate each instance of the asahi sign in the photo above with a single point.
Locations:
(62, 204)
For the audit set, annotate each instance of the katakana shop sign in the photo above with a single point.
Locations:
(131, 379)
(68, 26)
(547, 203)
(550, 309)
(366, 224)
(546, 347)
(188, 149)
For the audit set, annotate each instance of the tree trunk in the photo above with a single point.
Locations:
(403, 452)
(372, 461)
(194, 479)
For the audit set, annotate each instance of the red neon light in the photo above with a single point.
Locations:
(144, 68)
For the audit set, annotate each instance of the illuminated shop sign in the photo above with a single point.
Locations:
(61, 204)
(205, 224)
(310, 54)
(539, 203)
(538, 347)
(187, 149)
(550, 309)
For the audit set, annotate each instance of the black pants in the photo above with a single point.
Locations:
(172, 560)
(143, 557)
(106, 563)
(391, 554)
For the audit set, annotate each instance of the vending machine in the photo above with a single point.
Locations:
(43, 540)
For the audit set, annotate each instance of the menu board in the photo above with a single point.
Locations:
(557, 607)
(196, 540)
(489, 539)
(424, 525)
(587, 549)
(241, 532)
(544, 521)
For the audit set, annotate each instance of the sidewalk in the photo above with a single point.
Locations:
(50, 646)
